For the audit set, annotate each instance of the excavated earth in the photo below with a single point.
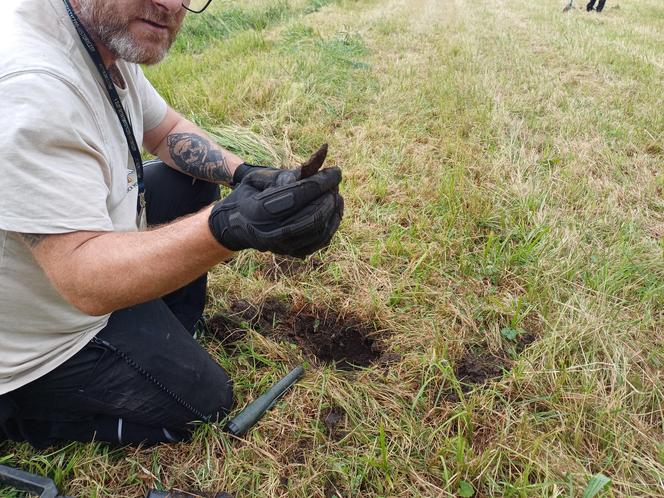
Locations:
(344, 340)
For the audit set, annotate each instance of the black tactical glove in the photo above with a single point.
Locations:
(267, 176)
(270, 175)
(295, 219)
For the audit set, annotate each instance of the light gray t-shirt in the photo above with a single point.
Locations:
(64, 166)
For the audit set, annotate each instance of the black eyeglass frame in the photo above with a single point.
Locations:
(197, 11)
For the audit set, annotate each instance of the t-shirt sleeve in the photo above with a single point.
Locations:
(53, 172)
(154, 105)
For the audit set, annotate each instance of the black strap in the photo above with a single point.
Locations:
(115, 100)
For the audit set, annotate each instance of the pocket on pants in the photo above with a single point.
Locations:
(96, 363)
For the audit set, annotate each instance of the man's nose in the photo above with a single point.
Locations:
(169, 5)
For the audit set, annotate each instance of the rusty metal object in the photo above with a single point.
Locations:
(314, 163)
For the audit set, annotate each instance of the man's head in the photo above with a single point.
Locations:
(139, 31)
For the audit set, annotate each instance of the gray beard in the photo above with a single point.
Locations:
(123, 46)
(120, 43)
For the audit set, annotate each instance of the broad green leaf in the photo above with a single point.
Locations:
(509, 333)
(595, 485)
(466, 489)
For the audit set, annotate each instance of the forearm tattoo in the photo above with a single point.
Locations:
(31, 239)
(196, 156)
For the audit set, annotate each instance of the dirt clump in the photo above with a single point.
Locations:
(524, 340)
(344, 340)
(225, 329)
(531, 330)
(387, 359)
(477, 367)
(654, 149)
(333, 419)
(332, 489)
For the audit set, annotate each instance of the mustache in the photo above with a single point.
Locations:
(162, 18)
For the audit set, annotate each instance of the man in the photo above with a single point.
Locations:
(591, 5)
(97, 311)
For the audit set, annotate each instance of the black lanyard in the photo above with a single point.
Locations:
(115, 100)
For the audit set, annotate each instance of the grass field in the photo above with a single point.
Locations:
(502, 246)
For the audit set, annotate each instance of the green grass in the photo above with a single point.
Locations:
(503, 180)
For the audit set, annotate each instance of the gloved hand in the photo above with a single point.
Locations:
(269, 175)
(295, 219)
(266, 176)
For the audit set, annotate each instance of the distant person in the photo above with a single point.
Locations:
(591, 5)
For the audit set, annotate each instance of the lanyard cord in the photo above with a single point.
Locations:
(93, 52)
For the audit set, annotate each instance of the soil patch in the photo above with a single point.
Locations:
(344, 340)
(484, 433)
(532, 329)
(477, 367)
(281, 266)
(387, 359)
(333, 419)
(654, 149)
(524, 340)
(332, 489)
(297, 452)
(225, 329)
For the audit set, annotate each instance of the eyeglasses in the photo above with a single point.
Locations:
(196, 6)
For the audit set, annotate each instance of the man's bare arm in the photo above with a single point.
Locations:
(31, 239)
(100, 272)
(184, 146)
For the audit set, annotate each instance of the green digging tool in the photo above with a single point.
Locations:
(248, 417)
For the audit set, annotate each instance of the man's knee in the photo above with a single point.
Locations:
(214, 397)
(220, 401)
(213, 401)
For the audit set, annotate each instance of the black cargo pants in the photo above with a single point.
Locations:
(143, 378)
